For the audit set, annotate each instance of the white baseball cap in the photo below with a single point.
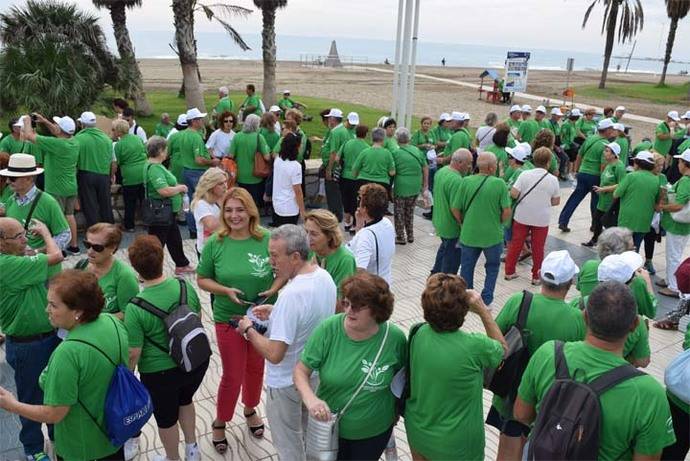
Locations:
(353, 118)
(645, 156)
(615, 148)
(619, 268)
(87, 118)
(541, 109)
(527, 108)
(182, 119)
(520, 152)
(66, 124)
(337, 113)
(20, 121)
(467, 115)
(673, 115)
(194, 113)
(457, 116)
(605, 124)
(274, 109)
(619, 126)
(558, 267)
(445, 117)
(686, 116)
(557, 111)
(516, 108)
(620, 109)
(286, 91)
(684, 156)
(576, 112)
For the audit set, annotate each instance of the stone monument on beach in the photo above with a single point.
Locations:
(333, 60)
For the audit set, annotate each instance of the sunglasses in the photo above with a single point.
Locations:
(12, 178)
(229, 120)
(96, 247)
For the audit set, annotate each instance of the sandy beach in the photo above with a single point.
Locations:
(374, 89)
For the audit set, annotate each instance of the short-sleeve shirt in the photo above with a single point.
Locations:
(130, 153)
(503, 169)
(374, 164)
(23, 295)
(592, 153)
(374, 248)
(225, 104)
(203, 209)
(119, 285)
(481, 224)
(535, 208)
(191, 145)
(340, 264)
(47, 211)
(338, 137)
(662, 146)
(639, 193)
(682, 191)
(419, 137)
(95, 151)
(348, 155)
(409, 164)
(613, 174)
(158, 177)
(286, 174)
(528, 130)
(446, 187)
(242, 148)
(162, 129)
(460, 139)
(60, 157)
(219, 141)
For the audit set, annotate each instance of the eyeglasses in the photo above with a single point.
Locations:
(96, 246)
(12, 178)
(229, 120)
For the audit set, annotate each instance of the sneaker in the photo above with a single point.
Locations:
(73, 251)
(131, 448)
(40, 456)
(185, 270)
(649, 267)
(564, 228)
(191, 452)
(427, 215)
(589, 244)
(661, 283)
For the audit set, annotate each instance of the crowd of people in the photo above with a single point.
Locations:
(301, 307)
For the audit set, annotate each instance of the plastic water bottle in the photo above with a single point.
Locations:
(185, 203)
(391, 451)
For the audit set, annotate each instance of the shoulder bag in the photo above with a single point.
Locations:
(469, 204)
(262, 167)
(27, 221)
(155, 211)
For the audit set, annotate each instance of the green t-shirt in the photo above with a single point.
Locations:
(286, 104)
(460, 139)
(272, 138)
(60, 156)
(481, 224)
(23, 295)
(78, 376)
(252, 101)
(158, 177)
(95, 151)
(374, 164)
(441, 134)
(446, 187)
(419, 138)
(662, 146)
(119, 285)
(225, 104)
(552, 126)
(587, 127)
(130, 153)
(348, 156)
(643, 145)
(682, 191)
(302, 146)
(340, 264)
(175, 156)
(568, 134)
(639, 193)
(391, 144)
(162, 129)
(242, 148)
(514, 126)
(612, 174)
(241, 264)
(325, 148)
(408, 179)
(148, 332)
(513, 174)
(443, 416)
(47, 211)
(685, 145)
(592, 153)
(343, 363)
(528, 130)
(503, 170)
(634, 414)
(191, 145)
(625, 149)
(338, 137)
(15, 146)
(5, 195)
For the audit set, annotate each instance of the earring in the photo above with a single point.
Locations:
(76, 317)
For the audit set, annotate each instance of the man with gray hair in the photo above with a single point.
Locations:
(95, 168)
(224, 104)
(308, 298)
(163, 127)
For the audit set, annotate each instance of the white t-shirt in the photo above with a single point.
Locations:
(172, 132)
(286, 173)
(485, 137)
(363, 246)
(219, 141)
(306, 301)
(140, 131)
(535, 209)
(201, 210)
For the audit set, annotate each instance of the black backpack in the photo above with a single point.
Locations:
(189, 346)
(569, 420)
(504, 380)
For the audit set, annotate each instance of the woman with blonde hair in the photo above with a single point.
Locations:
(234, 267)
(212, 186)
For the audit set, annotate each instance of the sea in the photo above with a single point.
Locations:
(358, 51)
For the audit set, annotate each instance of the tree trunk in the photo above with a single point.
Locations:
(183, 11)
(610, 35)
(128, 62)
(669, 48)
(268, 45)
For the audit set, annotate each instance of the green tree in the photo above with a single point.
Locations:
(129, 74)
(55, 58)
(268, 45)
(631, 22)
(676, 10)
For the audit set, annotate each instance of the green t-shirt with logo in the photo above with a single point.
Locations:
(286, 104)
(612, 174)
(587, 127)
(343, 363)
(23, 295)
(685, 145)
(242, 148)
(446, 187)
(191, 145)
(662, 146)
(130, 153)
(409, 162)
(635, 416)
(568, 134)
(528, 130)
(60, 157)
(348, 156)
(441, 134)
(338, 137)
(158, 177)
(639, 193)
(78, 376)
(119, 285)
(446, 392)
(419, 138)
(252, 101)
(592, 153)
(503, 169)
(514, 126)
(241, 264)
(682, 191)
(95, 151)
(481, 224)
(162, 129)
(374, 164)
(340, 264)
(148, 332)
(460, 140)
(225, 104)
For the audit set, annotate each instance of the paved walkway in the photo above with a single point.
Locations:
(410, 269)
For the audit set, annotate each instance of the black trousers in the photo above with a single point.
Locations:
(363, 449)
(256, 191)
(170, 236)
(681, 426)
(597, 226)
(650, 240)
(119, 455)
(280, 220)
(94, 197)
(132, 196)
(333, 199)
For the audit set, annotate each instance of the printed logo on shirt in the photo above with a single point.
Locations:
(110, 302)
(260, 266)
(377, 376)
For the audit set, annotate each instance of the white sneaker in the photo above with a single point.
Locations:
(131, 448)
(191, 452)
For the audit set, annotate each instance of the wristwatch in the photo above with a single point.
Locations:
(246, 330)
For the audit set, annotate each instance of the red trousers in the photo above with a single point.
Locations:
(243, 368)
(520, 232)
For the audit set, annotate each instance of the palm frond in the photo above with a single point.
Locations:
(588, 12)
(234, 35)
(228, 10)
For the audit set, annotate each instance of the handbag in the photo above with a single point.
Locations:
(230, 167)
(262, 167)
(322, 436)
(610, 217)
(155, 211)
(677, 376)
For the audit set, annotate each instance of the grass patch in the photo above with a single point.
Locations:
(649, 92)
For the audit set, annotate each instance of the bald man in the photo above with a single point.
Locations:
(481, 205)
(31, 338)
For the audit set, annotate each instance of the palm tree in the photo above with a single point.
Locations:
(268, 45)
(129, 68)
(676, 10)
(183, 11)
(631, 22)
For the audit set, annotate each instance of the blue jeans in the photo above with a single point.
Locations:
(28, 361)
(191, 179)
(468, 261)
(432, 173)
(447, 257)
(585, 183)
(637, 239)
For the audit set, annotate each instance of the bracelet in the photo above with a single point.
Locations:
(246, 330)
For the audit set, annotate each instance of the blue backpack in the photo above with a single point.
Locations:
(128, 404)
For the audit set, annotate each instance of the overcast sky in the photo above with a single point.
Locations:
(549, 24)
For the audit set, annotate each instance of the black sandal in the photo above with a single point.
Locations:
(257, 431)
(221, 446)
